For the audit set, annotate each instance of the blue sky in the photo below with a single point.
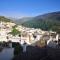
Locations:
(26, 8)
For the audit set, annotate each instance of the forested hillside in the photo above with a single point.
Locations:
(49, 21)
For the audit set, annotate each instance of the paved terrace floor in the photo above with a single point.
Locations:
(6, 54)
(33, 53)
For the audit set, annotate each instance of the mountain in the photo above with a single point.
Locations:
(22, 20)
(5, 19)
(49, 21)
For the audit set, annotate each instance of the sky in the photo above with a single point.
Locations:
(27, 8)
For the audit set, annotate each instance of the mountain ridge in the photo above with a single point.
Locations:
(5, 19)
(22, 20)
(49, 21)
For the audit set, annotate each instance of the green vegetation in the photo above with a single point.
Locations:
(17, 50)
(4, 19)
(15, 32)
(50, 21)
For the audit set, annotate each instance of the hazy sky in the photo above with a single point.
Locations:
(23, 8)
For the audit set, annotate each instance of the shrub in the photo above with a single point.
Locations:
(17, 49)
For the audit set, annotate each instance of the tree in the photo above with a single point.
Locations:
(18, 49)
(15, 32)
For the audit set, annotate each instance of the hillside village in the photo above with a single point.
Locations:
(30, 36)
